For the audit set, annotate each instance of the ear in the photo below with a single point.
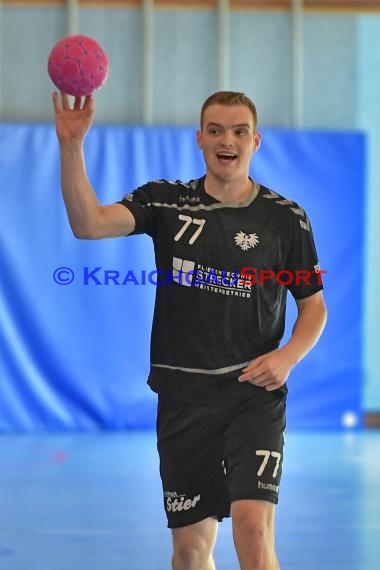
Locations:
(199, 139)
(256, 141)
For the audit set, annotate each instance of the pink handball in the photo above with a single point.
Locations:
(77, 65)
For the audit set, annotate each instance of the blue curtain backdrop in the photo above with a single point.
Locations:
(74, 356)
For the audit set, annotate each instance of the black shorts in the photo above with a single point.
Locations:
(214, 454)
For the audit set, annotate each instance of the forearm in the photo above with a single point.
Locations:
(78, 195)
(307, 329)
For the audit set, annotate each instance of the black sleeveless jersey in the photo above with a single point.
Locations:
(223, 272)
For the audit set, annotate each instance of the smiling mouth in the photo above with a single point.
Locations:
(226, 156)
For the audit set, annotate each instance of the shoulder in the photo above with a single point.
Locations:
(171, 185)
(163, 190)
(285, 208)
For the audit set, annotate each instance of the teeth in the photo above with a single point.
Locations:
(226, 155)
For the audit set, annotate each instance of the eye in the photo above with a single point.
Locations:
(213, 131)
(241, 132)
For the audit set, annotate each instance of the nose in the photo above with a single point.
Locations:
(227, 140)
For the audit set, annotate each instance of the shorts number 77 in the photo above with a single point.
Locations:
(266, 454)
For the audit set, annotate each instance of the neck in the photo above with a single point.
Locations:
(236, 191)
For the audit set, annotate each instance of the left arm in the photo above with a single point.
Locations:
(271, 370)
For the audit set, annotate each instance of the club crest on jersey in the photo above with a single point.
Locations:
(128, 197)
(246, 241)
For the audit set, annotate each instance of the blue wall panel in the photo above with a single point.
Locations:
(75, 356)
(325, 173)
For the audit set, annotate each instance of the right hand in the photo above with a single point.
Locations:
(72, 124)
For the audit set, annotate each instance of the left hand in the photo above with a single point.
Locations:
(269, 371)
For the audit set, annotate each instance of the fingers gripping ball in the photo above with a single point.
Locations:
(77, 65)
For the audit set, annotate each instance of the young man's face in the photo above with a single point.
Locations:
(228, 138)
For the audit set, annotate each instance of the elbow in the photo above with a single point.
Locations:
(87, 227)
(321, 315)
(83, 233)
(78, 234)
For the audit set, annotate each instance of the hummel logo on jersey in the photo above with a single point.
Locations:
(190, 199)
(246, 241)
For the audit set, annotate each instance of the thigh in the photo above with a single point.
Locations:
(189, 443)
(254, 446)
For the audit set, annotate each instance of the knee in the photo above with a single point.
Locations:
(186, 558)
(190, 554)
(254, 520)
(254, 541)
(254, 532)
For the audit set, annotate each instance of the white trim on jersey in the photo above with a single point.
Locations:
(209, 207)
(215, 371)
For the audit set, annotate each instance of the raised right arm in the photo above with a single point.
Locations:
(88, 219)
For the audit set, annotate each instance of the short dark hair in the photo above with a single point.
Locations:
(229, 98)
